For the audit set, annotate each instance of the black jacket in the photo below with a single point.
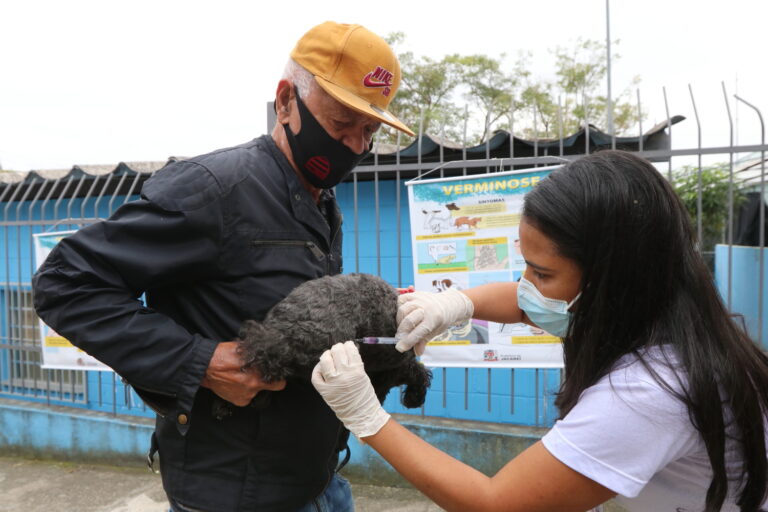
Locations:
(213, 241)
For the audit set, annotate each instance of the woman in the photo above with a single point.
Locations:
(664, 397)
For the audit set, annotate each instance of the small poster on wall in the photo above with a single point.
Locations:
(58, 353)
(464, 233)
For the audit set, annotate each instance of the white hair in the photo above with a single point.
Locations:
(302, 79)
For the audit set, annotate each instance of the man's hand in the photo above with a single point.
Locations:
(226, 378)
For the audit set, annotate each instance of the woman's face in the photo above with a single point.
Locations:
(555, 276)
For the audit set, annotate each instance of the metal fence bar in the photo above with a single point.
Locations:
(536, 398)
(466, 388)
(560, 125)
(35, 328)
(699, 195)
(47, 200)
(8, 293)
(535, 131)
(761, 222)
(442, 144)
(49, 375)
(399, 231)
(445, 385)
(101, 195)
(545, 394)
(464, 138)
(20, 302)
(639, 122)
(586, 127)
(729, 293)
(98, 379)
(609, 106)
(421, 135)
(136, 180)
(116, 194)
(511, 127)
(669, 128)
(356, 222)
(88, 196)
(61, 197)
(512, 391)
(71, 202)
(487, 141)
(378, 221)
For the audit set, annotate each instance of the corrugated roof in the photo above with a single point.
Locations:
(77, 171)
(498, 146)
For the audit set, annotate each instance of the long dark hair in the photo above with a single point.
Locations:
(645, 284)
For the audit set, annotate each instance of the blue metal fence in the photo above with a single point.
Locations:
(377, 241)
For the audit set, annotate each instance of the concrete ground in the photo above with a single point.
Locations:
(48, 486)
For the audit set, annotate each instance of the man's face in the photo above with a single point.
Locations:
(348, 126)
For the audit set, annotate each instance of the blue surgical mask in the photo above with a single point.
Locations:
(552, 315)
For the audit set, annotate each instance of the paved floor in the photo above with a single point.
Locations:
(44, 486)
(47, 486)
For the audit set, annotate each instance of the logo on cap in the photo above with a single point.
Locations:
(319, 166)
(379, 77)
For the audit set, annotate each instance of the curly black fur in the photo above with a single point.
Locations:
(325, 311)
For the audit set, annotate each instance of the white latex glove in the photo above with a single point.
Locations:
(340, 379)
(423, 315)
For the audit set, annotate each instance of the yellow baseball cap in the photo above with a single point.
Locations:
(354, 66)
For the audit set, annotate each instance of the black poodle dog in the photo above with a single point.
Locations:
(325, 311)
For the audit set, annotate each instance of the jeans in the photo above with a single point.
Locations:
(337, 497)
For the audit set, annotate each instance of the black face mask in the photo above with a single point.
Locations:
(321, 159)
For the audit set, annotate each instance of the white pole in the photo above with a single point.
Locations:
(609, 106)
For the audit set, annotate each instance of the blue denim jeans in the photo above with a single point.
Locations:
(337, 497)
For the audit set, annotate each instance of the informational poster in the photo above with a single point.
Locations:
(464, 233)
(58, 353)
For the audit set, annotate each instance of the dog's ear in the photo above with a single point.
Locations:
(416, 390)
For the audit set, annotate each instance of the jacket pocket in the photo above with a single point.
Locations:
(311, 246)
(274, 267)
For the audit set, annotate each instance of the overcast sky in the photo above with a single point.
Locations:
(99, 82)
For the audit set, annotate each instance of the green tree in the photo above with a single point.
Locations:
(714, 199)
(426, 89)
(575, 92)
(487, 88)
(431, 89)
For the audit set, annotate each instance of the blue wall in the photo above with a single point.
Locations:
(745, 285)
(520, 397)
(398, 272)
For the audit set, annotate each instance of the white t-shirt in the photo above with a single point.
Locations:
(632, 436)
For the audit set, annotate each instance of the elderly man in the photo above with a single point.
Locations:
(215, 240)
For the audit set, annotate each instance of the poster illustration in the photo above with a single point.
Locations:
(464, 232)
(58, 353)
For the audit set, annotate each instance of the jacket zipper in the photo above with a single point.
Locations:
(312, 246)
(330, 252)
